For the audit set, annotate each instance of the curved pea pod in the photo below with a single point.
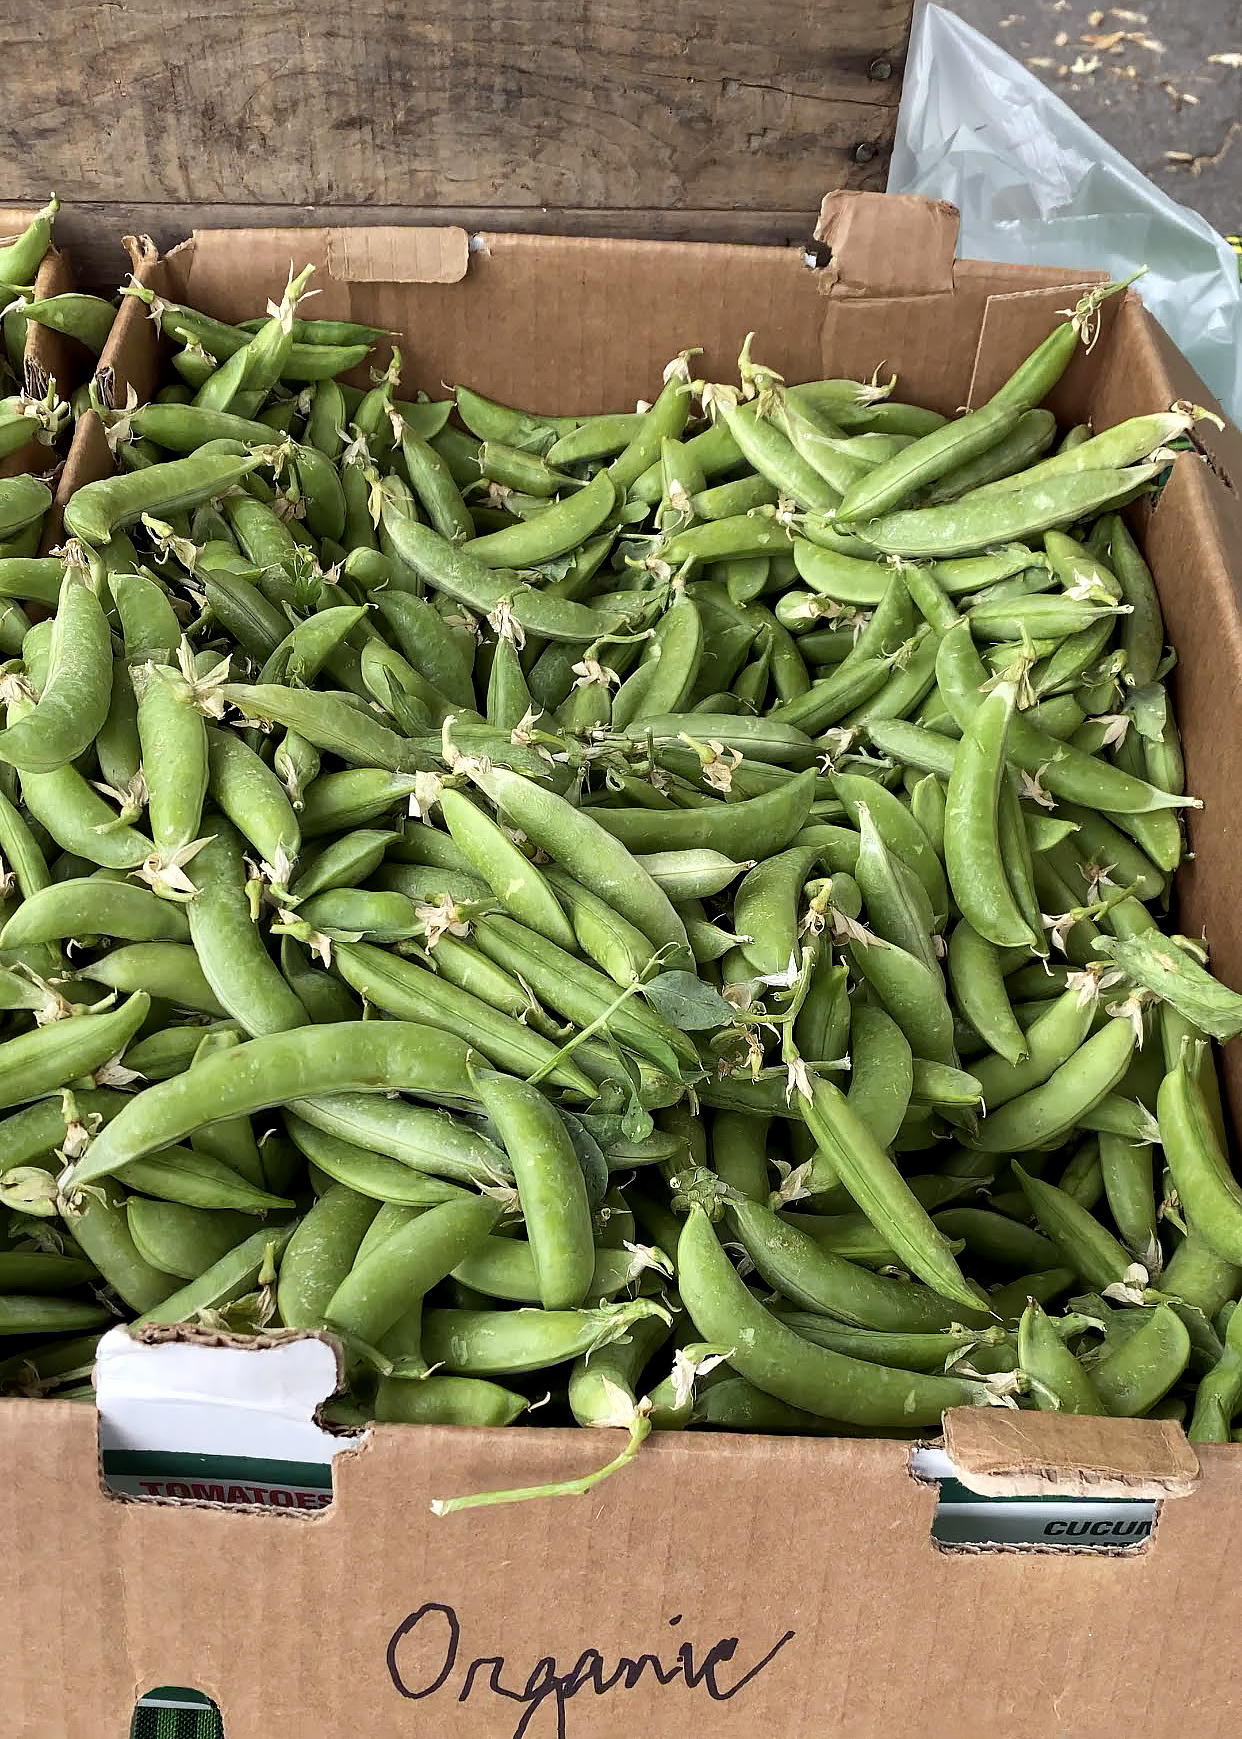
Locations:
(977, 522)
(38, 1062)
(344, 862)
(753, 827)
(1220, 1390)
(509, 1342)
(332, 722)
(563, 526)
(979, 988)
(96, 1221)
(1059, 1384)
(586, 849)
(92, 906)
(875, 1183)
(352, 798)
(519, 885)
(320, 1254)
(766, 908)
(777, 1361)
(666, 677)
(98, 509)
(882, 1074)
(1047, 1113)
(1141, 1371)
(409, 991)
(348, 1057)
(74, 701)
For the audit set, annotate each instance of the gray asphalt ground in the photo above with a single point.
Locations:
(1161, 81)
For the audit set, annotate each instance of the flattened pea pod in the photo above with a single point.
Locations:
(92, 906)
(753, 827)
(179, 1240)
(1135, 1376)
(375, 1175)
(228, 1278)
(780, 1363)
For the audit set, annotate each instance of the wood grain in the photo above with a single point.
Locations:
(727, 124)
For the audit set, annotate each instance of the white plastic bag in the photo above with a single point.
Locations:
(1036, 186)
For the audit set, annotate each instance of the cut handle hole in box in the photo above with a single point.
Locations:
(176, 1712)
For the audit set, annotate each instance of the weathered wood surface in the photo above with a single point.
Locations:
(722, 123)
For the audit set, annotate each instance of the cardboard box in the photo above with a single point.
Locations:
(723, 1586)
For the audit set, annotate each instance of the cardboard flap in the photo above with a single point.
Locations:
(886, 245)
(1003, 1453)
(207, 268)
(389, 254)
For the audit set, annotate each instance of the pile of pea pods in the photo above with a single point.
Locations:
(654, 919)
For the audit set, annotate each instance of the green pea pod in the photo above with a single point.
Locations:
(460, 1401)
(88, 319)
(925, 462)
(913, 994)
(1085, 1245)
(92, 906)
(973, 859)
(978, 522)
(382, 1287)
(766, 908)
(38, 1062)
(21, 258)
(253, 798)
(589, 852)
(1132, 1379)
(98, 509)
(979, 988)
(229, 1278)
(882, 1193)
(409, 991)
(780, 1363)
(882, 1072)
(508, 1343)
(456, 571)
(1058, 1382)
(377, 1176)
(76, 694)
(352, 1057)
(235, 963)
(96, 1221)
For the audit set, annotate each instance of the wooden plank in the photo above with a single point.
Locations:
(509, 109)
(92, 232)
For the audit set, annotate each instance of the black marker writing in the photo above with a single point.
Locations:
(425, 1650)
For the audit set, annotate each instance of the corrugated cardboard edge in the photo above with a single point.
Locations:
(1004, 1453)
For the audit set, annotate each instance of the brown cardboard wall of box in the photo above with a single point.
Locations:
(752, 1585)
